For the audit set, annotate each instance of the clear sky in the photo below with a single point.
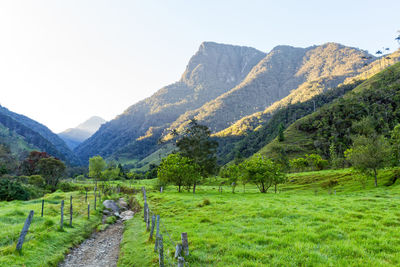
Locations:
(62, 62)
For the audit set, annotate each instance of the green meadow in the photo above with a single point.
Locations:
(45, 244)
(302, 225)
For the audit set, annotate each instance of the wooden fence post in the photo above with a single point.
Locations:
(153, 224)
(185, 243)
(62, 214)
(157, 233)
(42, 206)
(24, 231)
(145, 209)
(99, 197)
(88, 211)
(148, 219)
(181, 262)
(161, 251)
(178, 251)
(70, 212)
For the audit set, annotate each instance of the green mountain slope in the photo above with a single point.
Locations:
(378, 97)
(21, 132)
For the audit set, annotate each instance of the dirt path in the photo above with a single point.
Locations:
(100, 250)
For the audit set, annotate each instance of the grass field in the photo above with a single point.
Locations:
(45, 244)
(300, 226)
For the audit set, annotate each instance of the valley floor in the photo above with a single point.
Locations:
(298, 227)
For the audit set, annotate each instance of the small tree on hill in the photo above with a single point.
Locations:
(178, 170)
(51, 170)
(197, 145)
(234, 174)
(263, 172)
(96, 165)
(368, 154)
(299, 164)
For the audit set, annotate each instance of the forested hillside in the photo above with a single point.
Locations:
(22, 133)
(334, 124)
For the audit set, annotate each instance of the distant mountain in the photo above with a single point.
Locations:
(23, 134)
(221, 85)
(74, 136)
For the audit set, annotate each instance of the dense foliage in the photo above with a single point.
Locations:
(12, 190)
(246, 145)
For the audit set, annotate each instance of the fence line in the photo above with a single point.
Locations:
(179, 248)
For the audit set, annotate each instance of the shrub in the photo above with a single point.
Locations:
(36, 180)
(68, 187)
(11, 190)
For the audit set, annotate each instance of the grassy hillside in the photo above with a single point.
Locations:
(378, 97)
(45, 244)
(300, 226)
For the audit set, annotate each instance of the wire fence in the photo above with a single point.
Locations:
(168, 245)
(51, 208)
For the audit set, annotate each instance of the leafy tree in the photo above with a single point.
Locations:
(51, 170)
(395, 141)
(263, 172)
(12, 190)
(316, 162)
(8, 163)
(111, 173)
(368, 154)
(281, 135)
(30, 165)
(233, 173)
(197, 145)
(299, 164)
(178, 170)
(36, 180)
(96, 165)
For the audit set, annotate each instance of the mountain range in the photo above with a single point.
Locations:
(242, 94)
(232, 90)
(74, 136)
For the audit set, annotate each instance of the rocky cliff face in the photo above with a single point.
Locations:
(212, 71)
(221, 85)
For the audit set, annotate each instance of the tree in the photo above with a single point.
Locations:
(263, 172)
(30, 165)
(316, 162)
(111, 173)
(178, 170)
(233, 173)
(281, 135)
(197, 145)
(8, 162)
(299, 164)
(395, 141)
(96, 166)
(368, 154)
(51, 170)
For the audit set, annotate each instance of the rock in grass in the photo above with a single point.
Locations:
(127, 215)
(111, 205)
(122, 204)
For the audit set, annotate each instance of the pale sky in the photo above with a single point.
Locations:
(62, 62)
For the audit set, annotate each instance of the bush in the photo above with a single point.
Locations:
(68, 187)
(36, 180)
(11, 190)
